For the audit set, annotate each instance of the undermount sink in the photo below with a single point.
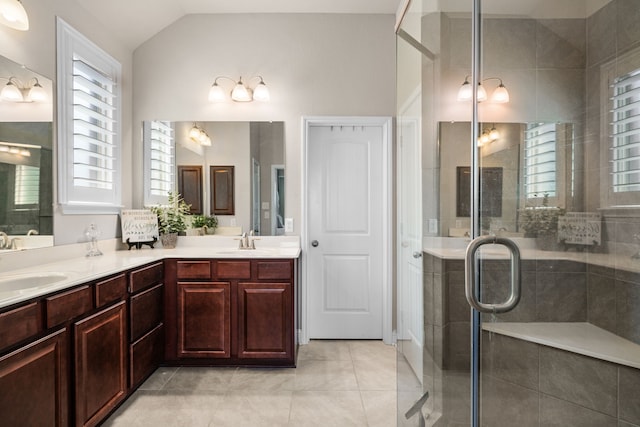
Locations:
(19, 282)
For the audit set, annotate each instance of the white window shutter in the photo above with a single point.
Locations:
(89, 105)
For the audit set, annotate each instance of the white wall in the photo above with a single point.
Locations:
(322, 64)
(36, 49)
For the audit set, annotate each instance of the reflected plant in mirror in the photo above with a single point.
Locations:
(254, 150)
(26, 169)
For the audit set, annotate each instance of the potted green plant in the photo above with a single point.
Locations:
(541, 222)
(171, 219)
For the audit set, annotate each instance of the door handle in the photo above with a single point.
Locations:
(315, 243)
(471, 285)
(417, 254)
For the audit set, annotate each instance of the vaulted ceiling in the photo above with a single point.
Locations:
(135, 21)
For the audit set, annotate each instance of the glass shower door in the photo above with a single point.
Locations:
(553, 167)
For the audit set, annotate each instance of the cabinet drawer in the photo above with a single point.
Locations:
(66, 306)
(20, 323)
(233, 270)
(274, 270)
(146, 276)
(111, 290)
(146, 311)
(145, 355)
(193, 269)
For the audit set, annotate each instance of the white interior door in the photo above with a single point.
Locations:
(346, 206)
(410, 274)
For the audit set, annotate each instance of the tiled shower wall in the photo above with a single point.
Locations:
(553, 291)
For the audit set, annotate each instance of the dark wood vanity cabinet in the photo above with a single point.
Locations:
(230, 312)
(265, 320)
(204, 320)
(34, 383)
(70, 357)
(100, 361)
(146, 326)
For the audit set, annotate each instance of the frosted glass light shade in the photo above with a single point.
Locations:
(217, 93)
(10, 92)
(37, 93)
(261, 92)
(240, 93)
(500, 95)
(13, 15)
(482, 93)
(464, 93)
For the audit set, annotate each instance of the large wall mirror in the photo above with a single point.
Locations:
(26, 160)
(535, 164)
(253, 152)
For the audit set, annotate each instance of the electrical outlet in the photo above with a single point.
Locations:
(266, 215)
(288, 225)
(433, 226)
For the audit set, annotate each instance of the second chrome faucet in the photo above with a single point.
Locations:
(247, 241)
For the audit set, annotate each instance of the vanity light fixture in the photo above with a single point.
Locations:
(199, 135)
(17, 149)
(16, 91)
(13, 15)
(488, 135)
(241, 92)
(499, 96)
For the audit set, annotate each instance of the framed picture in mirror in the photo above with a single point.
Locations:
(222, 188)
(190, 187)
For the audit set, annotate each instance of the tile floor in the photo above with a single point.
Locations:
(336, 383)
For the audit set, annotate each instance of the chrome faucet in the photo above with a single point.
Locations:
(32, 232)
(5, 240)
(246, 241)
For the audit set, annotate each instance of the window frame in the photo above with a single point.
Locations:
(619, 67)
(71, 198)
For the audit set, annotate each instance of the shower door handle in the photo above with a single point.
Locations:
(470, 276)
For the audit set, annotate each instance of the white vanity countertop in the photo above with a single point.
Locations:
(75, 269)
(455, 248)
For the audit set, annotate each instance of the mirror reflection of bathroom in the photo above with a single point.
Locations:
(521, 165)
(256, 151)
(26, 159)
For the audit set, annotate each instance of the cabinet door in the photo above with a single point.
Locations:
(265, 320)
(100, 363)
(33, 383)
(204, 319)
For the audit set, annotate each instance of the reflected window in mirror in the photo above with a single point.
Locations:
(540, 160)
(159, 161)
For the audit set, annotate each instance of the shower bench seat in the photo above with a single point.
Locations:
(576, 337)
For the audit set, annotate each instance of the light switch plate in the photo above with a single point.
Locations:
(288, 225)
(265, 206)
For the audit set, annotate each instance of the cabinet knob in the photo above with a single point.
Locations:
(315, 243)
